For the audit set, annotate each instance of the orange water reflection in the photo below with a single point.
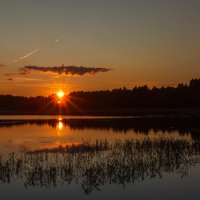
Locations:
(30, 136)
(59, 126)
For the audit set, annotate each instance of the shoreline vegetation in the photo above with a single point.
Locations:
(91, 166)
(180, 101)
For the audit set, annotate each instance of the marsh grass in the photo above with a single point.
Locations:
(95, 164)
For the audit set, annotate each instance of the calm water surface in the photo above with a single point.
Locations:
(48, 157)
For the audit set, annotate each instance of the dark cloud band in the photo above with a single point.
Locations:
(65, 70)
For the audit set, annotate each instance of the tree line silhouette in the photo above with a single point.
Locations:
(119, 101)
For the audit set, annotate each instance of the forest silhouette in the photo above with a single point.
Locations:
(107, 102)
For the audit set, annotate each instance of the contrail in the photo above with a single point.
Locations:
(26, 56)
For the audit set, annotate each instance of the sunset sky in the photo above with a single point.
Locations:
(97, 44)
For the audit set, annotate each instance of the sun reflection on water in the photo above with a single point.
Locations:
(59, 125)
(60, 118)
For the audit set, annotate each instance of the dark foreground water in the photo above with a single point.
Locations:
(99, 158)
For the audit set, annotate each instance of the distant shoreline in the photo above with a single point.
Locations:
(121, 112)
(183, 100)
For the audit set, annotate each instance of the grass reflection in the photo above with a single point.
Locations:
(94, 164)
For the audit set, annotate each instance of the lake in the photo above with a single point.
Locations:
(49, 157)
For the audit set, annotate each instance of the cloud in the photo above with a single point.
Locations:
(1, 65)
(26, 56)
(10, 79)
(16, 74)
(65, 70)
(10, 74)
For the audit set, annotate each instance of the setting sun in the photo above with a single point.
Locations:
(60, 94)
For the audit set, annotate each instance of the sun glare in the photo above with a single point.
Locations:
(60, 94)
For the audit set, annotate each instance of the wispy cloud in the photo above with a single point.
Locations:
(18, 77)
(26, 56)
(65, 70)
(16, 74)
(29, 79)
(10, 74)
